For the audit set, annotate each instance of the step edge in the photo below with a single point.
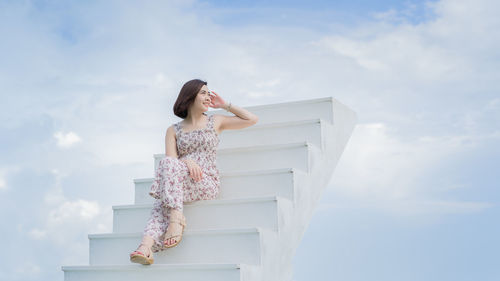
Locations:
(278, 124)
(214, 231)
(262, 147)
(131, 267)
(228, 201)
(253, 147)
(236, 173)
(281, 104)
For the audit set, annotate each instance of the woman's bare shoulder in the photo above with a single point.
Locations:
(171, 130)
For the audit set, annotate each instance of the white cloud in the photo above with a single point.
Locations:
(411, 207)
(66, 140)
(4, 172)
(385, 167)
(37, 233)
(442, 206)
(432, 88)
(268, 83)
(55, 194)
(26, 269)
(261, 94)
(64, 220)
(403, 52)
(482, 118)
(70, 211)
(3, 183)
(380, 170)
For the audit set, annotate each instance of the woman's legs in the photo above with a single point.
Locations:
(206, 189)
(168, 187)
(157, 225)
(172, 175)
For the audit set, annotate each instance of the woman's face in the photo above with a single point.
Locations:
(202, 100)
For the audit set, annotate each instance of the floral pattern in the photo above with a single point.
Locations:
(173, 185)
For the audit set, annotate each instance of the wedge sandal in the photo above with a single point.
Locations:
(178, 237)
(138, 257)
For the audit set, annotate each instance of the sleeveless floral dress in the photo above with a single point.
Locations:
(173, 185)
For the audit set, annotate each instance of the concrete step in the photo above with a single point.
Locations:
(244, 184)
(238, 245)
(290, 111)
(258, 157)
(275, 133)
(178, 272)
(267, 212)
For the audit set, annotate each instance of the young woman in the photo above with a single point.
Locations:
(188, 171)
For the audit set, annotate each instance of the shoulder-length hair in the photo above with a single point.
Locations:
(186, 97)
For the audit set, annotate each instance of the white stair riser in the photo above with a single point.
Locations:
(259, 159)
(302, 131)
(194, 248)
(206, 216)
(293, 157)
(237, 186)
(275, 184)
(290, 111)
(147, 273)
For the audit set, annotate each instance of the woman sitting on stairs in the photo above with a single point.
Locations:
(188, 171)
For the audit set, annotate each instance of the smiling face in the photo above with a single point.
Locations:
(202, 100)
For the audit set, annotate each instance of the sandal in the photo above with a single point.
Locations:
(182, 222)
(138, 257)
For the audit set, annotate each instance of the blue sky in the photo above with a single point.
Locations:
(87, 90)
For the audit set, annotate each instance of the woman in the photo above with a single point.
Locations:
(187, 172)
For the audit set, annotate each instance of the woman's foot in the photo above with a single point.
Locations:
(143, 255)
(173, 236)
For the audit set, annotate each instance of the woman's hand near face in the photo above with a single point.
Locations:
(194, 169)
(216, 101)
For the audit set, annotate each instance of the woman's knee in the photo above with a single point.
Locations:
(168, 159)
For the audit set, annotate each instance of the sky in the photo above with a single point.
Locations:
(87, 89)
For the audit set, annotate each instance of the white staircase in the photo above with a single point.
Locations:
(272, 177)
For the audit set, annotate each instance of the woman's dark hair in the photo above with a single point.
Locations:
(186, 97)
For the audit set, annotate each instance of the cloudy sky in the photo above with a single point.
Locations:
(87, 89)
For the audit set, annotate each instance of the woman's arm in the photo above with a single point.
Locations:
(243, 118)
(170, 143)
(171, 150)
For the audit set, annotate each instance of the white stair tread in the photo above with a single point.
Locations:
(278, 124)
(186, 232)
(255, 148)
(282, 104)
(209, 202)
(237, 173)
(187, 266)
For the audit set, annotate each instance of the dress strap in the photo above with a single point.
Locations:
(210, 124)
(177, 128)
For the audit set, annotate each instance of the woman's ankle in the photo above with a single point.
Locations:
(147, 241)
(176, 213)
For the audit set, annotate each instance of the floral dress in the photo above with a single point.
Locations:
(173, 185)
